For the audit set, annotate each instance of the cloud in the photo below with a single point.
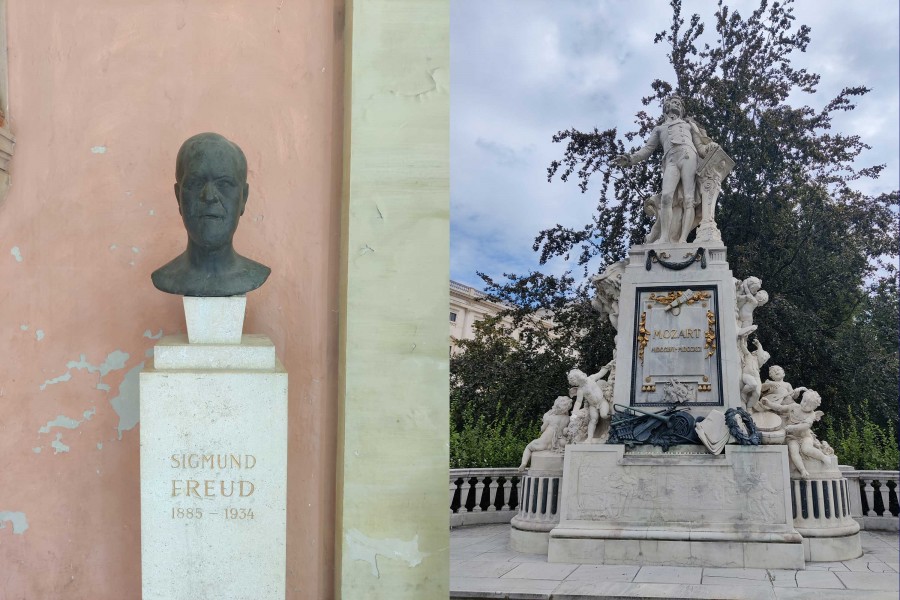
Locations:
(521, 70)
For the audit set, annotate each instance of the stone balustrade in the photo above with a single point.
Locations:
(479, 496)
(873, 498)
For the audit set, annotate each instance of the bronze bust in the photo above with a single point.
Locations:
(211, 189)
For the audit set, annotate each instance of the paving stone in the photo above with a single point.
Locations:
(809, 594)
(870, 581)
(755, 574)
(483, 568)
(649, 574)
(818, 579)
(555, 571)
(578, 590)
(603, 573)
(501, 588)
(783, 577)
(826, 566)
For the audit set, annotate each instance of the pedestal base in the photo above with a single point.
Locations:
(539, 505)
(213, 472)
(682, 508)
(821, 510)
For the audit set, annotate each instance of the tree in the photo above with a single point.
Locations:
(789, 213)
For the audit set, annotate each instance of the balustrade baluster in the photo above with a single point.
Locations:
(464, 495)
(507, 493)
(492, 494)
(452, 493)
(885, 499)
(870, 496)
(479, 492)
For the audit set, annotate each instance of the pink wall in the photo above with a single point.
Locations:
(102, 93)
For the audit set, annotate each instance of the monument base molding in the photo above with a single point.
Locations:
(683, 508)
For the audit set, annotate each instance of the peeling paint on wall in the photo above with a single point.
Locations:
(359, 546)
(58, 446)
(153, 336)
(127, 403)
(39, 334)
(99, 445)
(23, 327)
(98, 150)
(17, 254)
(115, 360)
(18, 520)
(37, 450)
(67, 423)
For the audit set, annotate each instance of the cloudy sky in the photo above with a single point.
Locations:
(521, 70)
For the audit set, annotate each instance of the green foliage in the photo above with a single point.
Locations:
(859, 442)
(478, 444)
(788, 213)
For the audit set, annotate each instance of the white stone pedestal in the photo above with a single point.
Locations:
(213, 465)
(539, 504)
(682, 508)
(821, 510)
(695, 342)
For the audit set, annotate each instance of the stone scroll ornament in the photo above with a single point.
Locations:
(211, 189)
(693, 167)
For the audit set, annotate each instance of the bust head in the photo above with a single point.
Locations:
(211, 189)
(562, 405)
(673, 104)
(577, 377)
(810, 401)
(776, 373)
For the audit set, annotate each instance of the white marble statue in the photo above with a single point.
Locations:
(798, 421)
(576, 431)
(553, 429)
(597, 395)
(693, 167)
(748, 295)
(751, 363)
(774, 390)
(607, 286)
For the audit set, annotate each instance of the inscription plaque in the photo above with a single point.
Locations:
(676, 347)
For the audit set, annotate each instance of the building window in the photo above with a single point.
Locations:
(453, 317)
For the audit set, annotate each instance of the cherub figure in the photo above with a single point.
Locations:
(775, 388)
(798, 422)
(751, 363)
(749, 296)
(553, 429)
(596, 393)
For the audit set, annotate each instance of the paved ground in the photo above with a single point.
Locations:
(483, 566)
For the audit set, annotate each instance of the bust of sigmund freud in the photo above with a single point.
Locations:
(211, 189)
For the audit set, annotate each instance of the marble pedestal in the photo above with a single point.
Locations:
(213, 463)
(685, 507)
(539, 504)
(821, 511)
(677, 324)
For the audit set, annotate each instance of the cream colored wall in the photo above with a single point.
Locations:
(102, 93)
(392, 539)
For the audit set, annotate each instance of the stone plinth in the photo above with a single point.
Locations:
(682, 508)
(214, 320)
(666, 333)
(213, 471)
(821, 511)
(539, 504)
